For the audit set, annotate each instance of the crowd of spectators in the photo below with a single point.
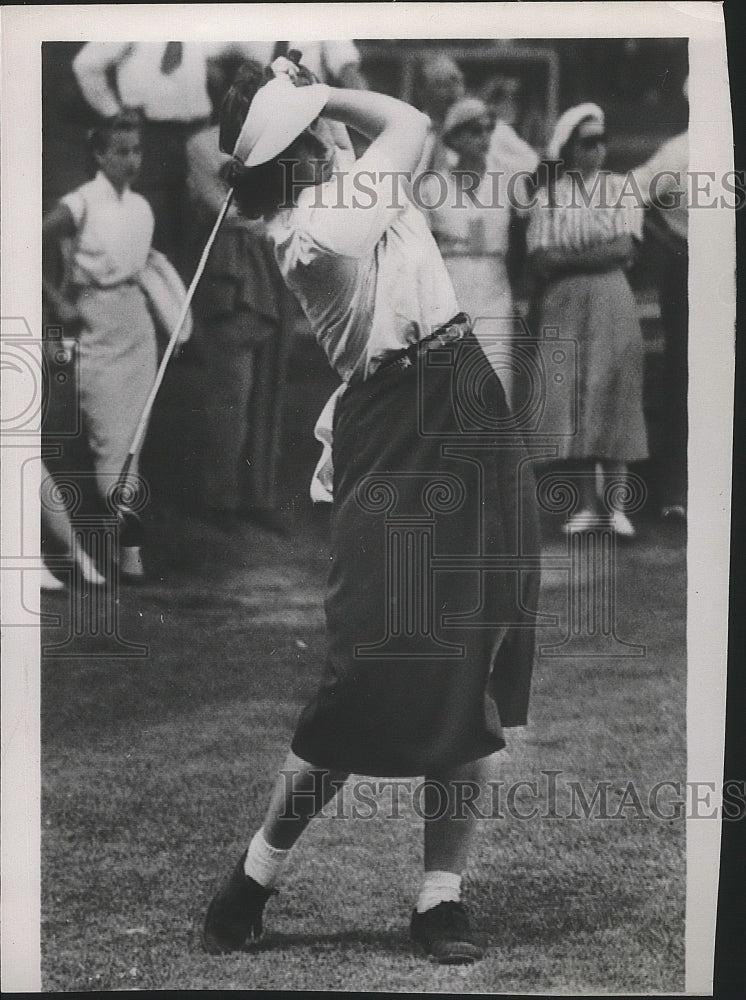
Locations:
(156, 107)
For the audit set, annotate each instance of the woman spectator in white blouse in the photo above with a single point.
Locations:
(111, 230)
(580, 242)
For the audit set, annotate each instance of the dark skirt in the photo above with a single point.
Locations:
(434, 580)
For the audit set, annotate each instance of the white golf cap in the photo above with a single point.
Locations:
(468, 109)
(279, 112)
(568, 122)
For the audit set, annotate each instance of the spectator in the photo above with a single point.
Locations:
(662, 181)
(508, 151)
(441, 85)
(244, 336)
(581, 254)
(111, 228)
(510, 155)
(168, 83)
(471, 225)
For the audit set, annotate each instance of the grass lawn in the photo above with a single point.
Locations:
(155, 773)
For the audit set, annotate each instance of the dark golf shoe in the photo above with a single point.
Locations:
(234, 916)
(445, 934)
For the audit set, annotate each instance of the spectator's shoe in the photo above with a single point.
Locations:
(48, 581)
(131, 569)
(621, 525)
(445, 934)
(234, 917)
(87, 568)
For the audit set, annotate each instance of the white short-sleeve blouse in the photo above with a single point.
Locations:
(114, 233)
(361, 260)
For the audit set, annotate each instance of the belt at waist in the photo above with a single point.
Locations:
(455, 330)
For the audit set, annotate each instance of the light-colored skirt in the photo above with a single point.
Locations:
(598, 411)
(118, 361)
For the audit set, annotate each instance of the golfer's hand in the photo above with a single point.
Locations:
(299, 76)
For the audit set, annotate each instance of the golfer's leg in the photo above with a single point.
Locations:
(235, 913)
(300, 792)
(450, 830)
(440, 924)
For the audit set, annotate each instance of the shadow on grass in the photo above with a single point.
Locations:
(386, 942)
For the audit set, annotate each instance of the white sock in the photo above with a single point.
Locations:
(438, 887)
(264, 863)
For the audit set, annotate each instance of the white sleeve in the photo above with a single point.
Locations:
(90, 66)
(75, 202)
(666, 167)
(336, 55)
(353, 210)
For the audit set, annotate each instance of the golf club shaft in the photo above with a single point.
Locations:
(170, 348)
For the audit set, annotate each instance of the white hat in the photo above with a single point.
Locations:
(279, 112)
(568, 122)
(468, 109)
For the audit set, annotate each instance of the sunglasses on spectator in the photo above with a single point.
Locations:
(475, 128)
(591, 141)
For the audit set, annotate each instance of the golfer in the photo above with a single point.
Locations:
(427, 661)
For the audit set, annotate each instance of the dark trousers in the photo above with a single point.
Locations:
(163, 182)
(674, 305)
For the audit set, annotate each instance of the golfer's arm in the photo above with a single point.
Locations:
(397, 129)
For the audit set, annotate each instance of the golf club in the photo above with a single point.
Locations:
(122, 496)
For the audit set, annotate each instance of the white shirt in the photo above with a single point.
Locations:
(465, 225)
(510, 153)
(179, 96)
(363, 263)
(672, 158)
(114, 233)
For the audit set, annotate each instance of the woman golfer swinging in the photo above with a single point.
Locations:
(430, 645)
